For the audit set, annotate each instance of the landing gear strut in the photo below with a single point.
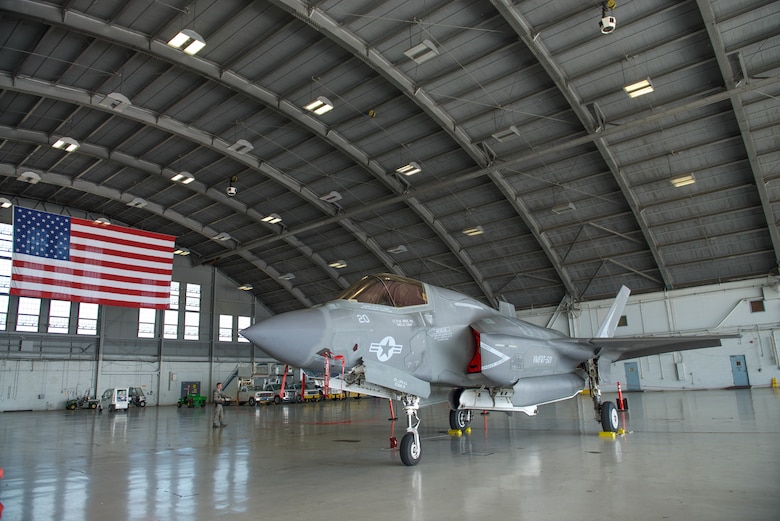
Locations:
(410, 443)
(606, 412)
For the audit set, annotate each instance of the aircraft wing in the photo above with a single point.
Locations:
(616, 349)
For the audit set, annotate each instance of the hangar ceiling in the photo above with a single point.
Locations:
(519, 123)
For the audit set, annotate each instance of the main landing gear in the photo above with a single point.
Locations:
(606, 412)
(410, 443)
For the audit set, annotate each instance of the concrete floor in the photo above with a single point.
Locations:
(696, 455)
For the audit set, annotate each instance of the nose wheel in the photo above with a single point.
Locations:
(410, 448)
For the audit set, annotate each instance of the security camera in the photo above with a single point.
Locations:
(231, 191)
(607, 24)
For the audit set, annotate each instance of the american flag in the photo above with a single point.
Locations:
(65, 258)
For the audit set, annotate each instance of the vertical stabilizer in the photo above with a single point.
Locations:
(607, 329)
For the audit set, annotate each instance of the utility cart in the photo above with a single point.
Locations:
(192, 400)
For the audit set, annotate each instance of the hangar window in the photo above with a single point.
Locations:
(192, 312)
(171, 315)
(386, 290)
(3, 312)
(226, 328)
(171, 323)
(6, 248)
(59, 316)
(28, 315)
(146, 322)
(243, 323)
(88, 315)
(757, 306)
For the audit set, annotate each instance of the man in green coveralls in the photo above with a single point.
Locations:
(219, 399)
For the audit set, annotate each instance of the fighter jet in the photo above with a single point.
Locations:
(402, 339)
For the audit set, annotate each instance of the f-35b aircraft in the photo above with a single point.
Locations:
(403, 339)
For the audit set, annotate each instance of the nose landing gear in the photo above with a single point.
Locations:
(410, 448)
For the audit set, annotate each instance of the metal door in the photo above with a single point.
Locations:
(739, 371)
(632, 376)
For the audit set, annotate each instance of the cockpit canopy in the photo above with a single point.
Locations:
(386, 289)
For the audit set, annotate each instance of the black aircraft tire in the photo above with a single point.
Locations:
(459, 420)
(410, 451)
(609, 417)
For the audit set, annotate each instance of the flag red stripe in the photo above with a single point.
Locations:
(90, 300)
(164, 291)
(122, 229)
(140, 278)
(82, 258)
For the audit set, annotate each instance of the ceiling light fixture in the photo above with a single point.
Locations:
(102, 220)
(422, 52)
(395, 250)
(137, 202)
(410, 169)
(272, 219)
(683, 180)
(639, 88)
(506, 134)
(319, 106)
(181, 251)
(188, 41)
(29, 177)
(245, 287)
(184, 178)
(338, 264)
(5, 203)
(331, 197)
(287, 276)
(474, 230)
(115, 101)
(563, 208)
(68, 144)
(242, 146)
(222, 236)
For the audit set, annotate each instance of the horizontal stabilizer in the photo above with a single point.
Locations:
(624, 348)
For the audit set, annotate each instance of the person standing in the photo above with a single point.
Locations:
(219, 399)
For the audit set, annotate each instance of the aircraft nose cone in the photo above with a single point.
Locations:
(293, 338)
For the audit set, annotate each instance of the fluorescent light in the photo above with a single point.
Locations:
(683, 180)
(397, 249)
(319, 106)
(410, 169)
(422, 52)
(639, 88)
(242, 146)
(115, 101)
(506, 134)
(563, 208)
(68, 144)
(189, 39)
(184, 178)
(272, 219)
(338, 264)
(287, 276)
(475, 230)
(102, 220)
(181, 251)
(245, 287)
(222, 236)
(5, 203)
